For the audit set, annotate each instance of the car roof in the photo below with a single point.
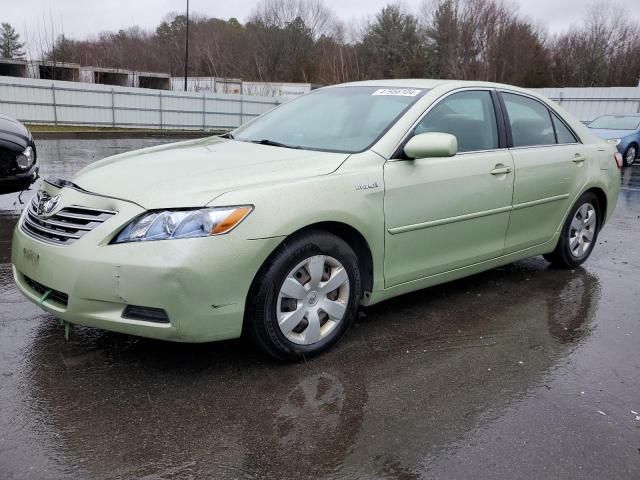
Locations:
(430, 83)
(632, 114)
(407, 82)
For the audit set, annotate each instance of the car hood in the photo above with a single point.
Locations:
(193, 173)
(606, 133)
(13, 135)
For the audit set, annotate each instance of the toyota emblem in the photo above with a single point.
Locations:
(47, 204)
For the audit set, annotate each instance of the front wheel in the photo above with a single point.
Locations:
(305, 297)
(630, 155)
(579, 233)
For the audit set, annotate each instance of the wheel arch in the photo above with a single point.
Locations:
(355, 240)
(352, 236)
(346, 232)
(602, 203)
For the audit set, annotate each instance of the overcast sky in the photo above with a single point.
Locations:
(79, 18)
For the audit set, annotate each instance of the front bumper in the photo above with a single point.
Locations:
(19, 181)
(201, 283)
(622, 147)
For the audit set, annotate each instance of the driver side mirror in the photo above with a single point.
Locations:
(430, 145)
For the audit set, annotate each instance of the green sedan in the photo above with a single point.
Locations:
(347, 196)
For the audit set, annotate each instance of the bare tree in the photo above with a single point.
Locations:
(318, 19)
(483, 40)
(303, 41)
(603, 50)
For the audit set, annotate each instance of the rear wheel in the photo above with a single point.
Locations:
(630, 155)
(305, 297)
(579, 234)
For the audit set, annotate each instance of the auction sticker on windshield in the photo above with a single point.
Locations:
(402, 92)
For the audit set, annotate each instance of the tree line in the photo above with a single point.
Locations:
(304, 41)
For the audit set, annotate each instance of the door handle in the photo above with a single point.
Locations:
(578, 158)
(501, 170)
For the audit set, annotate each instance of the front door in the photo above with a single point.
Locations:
(447, 213)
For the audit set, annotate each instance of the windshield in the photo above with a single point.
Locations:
(616, 122)
(340, 119)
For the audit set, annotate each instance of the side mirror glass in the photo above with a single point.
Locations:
(430, 145)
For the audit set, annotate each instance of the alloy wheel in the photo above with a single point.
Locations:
(630, 157)
(583, 230)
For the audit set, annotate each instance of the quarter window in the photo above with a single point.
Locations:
(469, 116)
(563, 134)
(530, 121)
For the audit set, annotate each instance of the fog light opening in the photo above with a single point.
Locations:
(145, 314)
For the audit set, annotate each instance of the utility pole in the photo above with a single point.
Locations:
(186, 51)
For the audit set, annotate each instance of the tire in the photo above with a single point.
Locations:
(579, 233)
(281, 318)
(630, 155)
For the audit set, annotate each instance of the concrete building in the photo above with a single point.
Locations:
(47, 70)
(73, 72)
(11, 67)
(106, 76)
(157, 81)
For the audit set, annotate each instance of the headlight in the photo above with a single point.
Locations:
(615, 141)
(174, 224)
(25, 159)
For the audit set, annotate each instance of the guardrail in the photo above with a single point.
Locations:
(69, 103)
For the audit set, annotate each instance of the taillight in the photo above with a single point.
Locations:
(618, 158)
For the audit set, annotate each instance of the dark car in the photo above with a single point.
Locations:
(18, 168)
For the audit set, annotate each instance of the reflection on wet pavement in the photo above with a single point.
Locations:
(523, 371)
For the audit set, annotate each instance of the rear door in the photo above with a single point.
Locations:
(550, 167)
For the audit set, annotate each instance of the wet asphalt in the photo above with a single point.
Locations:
(520, 372)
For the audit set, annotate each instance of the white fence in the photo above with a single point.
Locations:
(53, 102)
(589, 103)
(70, 103)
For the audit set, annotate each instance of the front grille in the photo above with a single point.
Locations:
(56, 296)
(66, 226)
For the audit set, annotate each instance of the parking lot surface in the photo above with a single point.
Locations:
(520, 372)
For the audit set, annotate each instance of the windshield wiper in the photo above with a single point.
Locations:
(273, 143)
(228, 135)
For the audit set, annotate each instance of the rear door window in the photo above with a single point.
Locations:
(530, 121)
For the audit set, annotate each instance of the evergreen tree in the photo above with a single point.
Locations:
(10, 44)
(392, 46)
